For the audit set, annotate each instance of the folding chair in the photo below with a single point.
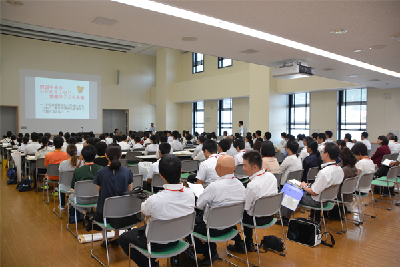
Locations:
(116, 207)
(348, 187)
(387, 181)
(156, 181)
(328, 195)
(297, 175)
(124, 162)
(278, 177)
(265, 206)
(279, 157)
(394, 156)
(131, 157)
(386, 156)
(190, 165)
(39, 165)
(166, 231)
(137, 180)
(239, 174)
(312, 173)
(64, 186)
(83, 189)
(134, 169)
(52, 169)
(392, 178)
(364, 183)
(221, 218)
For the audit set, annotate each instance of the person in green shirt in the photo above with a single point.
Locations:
(85, 172)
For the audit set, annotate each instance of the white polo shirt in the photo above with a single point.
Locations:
(394, 147)
(240, 130)
(200, 156)
(261, 184)
(232, 151)
(289, 164)
(151, 148)
(147, 141)
(366, 165)
(170, 139)
(153, 170)
(304, 154)
(227, 190)
(176, 145)
(32, 148)
(321, 147)
(367, 143)
(109, 140)
(239, 157)
(207, 172)
(197, 150)
(330, 174)
(349, 145)
(124, 145)
(136, 146)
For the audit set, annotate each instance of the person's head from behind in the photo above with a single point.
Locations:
(170, 169)
(312, 147)
(27, 135)
(175, 135)
(67, 136)
(239, 144)
(330, 153)
(292, 147)
(72, 153)
(189, 137)
(314, 136)
(225, 165)
(341, 143)
(201, 140)
(146, 135)
(364, 135)
(89, 141)
(267, 136)
(283, 135)
(60, 133)
(300, 137)
(35, 137)
(267, 149)
(290, 137)
(321, 138)
(347, 157)
(360, 150)
(153, 139)
(163, 139)
(48, 135)
(258, 133)
(113, 154)
(306, 139)
(209, 148)
(252, 162)
(123, 138)
(101, 149)
(383, 141)
(20, 135)
(79, 139)
(9, 134)
(225, 133)
(25, 140)
(71, 141)
(164, 149)
(58, 142)
(137, 140)
(328, 134)
(390, 136)
(257, 146)
(223, 145)
(44, 140)
(347, 137)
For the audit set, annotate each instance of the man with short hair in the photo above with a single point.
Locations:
(314, 136)
(223, 146)
(152, 128)
(262, 183)
(198, 151)
(239, 146)
(175, 144)
(393, 145)
(170, 138)
(137, 143)
(347, 139)
(174, 202)
(232, 150)
(321, 141)
(330, 174)
(34, 146)
(240, 130)
(124, 144)
(328, 136)
(163, 149)
(365, 141)
(267, 136)
(207, 174)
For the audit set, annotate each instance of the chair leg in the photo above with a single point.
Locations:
(76, 221)
(323, 218)
(344, 215)
(340, 214)
(105, 235)
(255, 233)
(362, 206)
(390, 197)
(129, 254)
(194, 247)
(245, 247)
(373, 203)
(283, 231)
(208, 242)
(149, 250)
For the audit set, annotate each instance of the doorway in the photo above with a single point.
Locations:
(115, 119)
(9, 120)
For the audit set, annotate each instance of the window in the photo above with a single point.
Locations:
(198, 117)
(299, 114)
(225, 116)
(198, 62)
(352, 112)
(224, 62)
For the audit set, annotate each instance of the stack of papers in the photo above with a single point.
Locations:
(386, 162)
(295, 183)
(197, 189)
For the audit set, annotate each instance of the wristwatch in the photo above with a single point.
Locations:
(304, 187)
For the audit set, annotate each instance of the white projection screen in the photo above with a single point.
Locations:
(55, 101)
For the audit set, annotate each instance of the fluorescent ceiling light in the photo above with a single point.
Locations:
(207, 20)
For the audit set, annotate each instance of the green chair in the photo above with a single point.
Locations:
(166, 231)
(388, 181)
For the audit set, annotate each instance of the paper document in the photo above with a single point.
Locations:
(290, 203)
(386, 162)
(294, 183)
(31, 157)
(197, 189)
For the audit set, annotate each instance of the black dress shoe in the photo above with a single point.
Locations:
(284, 221)
(237, 247)
(250, 247)
(206, 261)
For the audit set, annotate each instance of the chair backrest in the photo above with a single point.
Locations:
(124, 162)
(134, 169)
(349, 185)
(279, 157)
(330, 193)
(137, 180)
(190, 165)
(268, 205)
(131, 156)
(312, 173)
(151, 153)
(278, 177)
(40, 164)
(394, 156)
(138, 149)
(392, 173)
(225, 216)
(239, 171)
(121, 206)
(65, 178)
(165, 231)
(297, 175)
(369, 152)
(157, 181)
(386, 156)
(365, 180)
(52, 169)
(85, 188)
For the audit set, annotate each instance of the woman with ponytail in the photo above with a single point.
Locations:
(313, 160)
(41, 152)
(112, 180)
(72, 162)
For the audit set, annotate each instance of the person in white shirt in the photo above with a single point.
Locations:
(24, 143)
(328, 136)
(108, 138)
(291, 162)
(41, 152)
(232, 150)
(207, 174)
(365, 141)
(147, 139)
(330, 174)
(173, 202)
(364, 164)
(198, 149)
(137, 144)
(163, 149)
(262, 183)
(239, 146)
(170, 138)
(152, 128)
(34, 146)
(175, 144)
(393, 145)
(248, 144)
(303, 153)
(282, 144)
(223, 147)
(321, 141)
(240, 130)
(153, 147)
(267, 136)
(227, 190)
(123, 144)
(348, 140)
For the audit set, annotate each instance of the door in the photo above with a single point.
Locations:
(114, 119)
(9, 120)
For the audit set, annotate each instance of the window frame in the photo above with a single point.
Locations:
(194, 111)
(195, 63)
(292, 105)
(220, 109)
(221, 60)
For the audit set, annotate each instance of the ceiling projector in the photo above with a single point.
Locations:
(293, 70)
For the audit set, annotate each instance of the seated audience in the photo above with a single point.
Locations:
(328, 136)
(313, 160)
(248, 145)
(137, 144)
(123, 143)
(207, 174)
(45, 149)
(163, 149)
(365, 141)
(223, 146)
(291, 162)
(382, 150)
(31, 148)
(72, 162)
(303, 152)
(170, 138)
(198, 151)
(101, 159)
(349, 169)
(175, 144)
(321, 142)
(239, 145)
(189, 140)
(393, 145)
(232, 150)
(269, 162)
(348, 140)
(24, 143)
(267, 136)
(153, 147)
(365, 165)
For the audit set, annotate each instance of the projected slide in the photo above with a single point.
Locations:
(61, 99)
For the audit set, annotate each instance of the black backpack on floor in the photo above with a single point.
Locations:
(24, 185)
(12, 179)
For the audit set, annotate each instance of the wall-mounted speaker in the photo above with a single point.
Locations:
(117, 77)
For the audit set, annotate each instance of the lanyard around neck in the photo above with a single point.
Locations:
(180, 190)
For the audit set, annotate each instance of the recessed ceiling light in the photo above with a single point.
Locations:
(357, 50)
(374, 80)
(226, 25)
(353, 75)
(140, 45)
(52, 31)
(327, 69)
(249, 51)
(377, 47)
(189, 39)
(338, 31)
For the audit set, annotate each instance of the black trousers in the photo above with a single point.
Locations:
(382, 171)
(248, 232)
(192, 179)
(137, 237)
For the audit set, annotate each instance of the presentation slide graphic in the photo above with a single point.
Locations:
(61, 99)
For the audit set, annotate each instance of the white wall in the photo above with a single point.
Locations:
(323, 112)
(240, 112)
